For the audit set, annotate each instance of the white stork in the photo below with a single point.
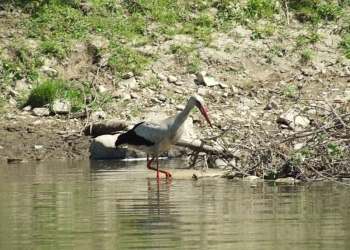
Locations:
(158, 136)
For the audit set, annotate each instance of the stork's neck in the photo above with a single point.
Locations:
(182, 116)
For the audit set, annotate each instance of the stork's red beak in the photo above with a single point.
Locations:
(206, 115)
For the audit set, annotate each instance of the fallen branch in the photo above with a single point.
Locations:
(202, 146)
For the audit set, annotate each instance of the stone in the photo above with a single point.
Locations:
(27, 108)
(210, 82)
(61, 107)
(203, 91)
(179, 83)
(172, 79)
(48, 71)
(99, 114)
(272, 105)
(298, 146)
(37, 122)
(134, 96)
(223, 85)
(130, 83)
(161, 77)
(128, 75)
(293, 120)
(220, 163)
(200, 76)
(13, 93)
(161, 98)
(41, 111)
(101, 89)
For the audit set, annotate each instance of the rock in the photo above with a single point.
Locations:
(101, 89)
(13, 93)
(293, 120)
(180, 107)
(161, 98)
(285, 180)
(172, 79)
(99, 114)
(128, 75)
(21, 85)
(179, 83)
(223, 85)
(27, 108)
(272, 105)
(102, 148)
(61, 107)
(134, 96)
(48, 71)
(130, 83)
(220, 163)
(298, 146)
(155, 100)
(203, 91)
(210, 82)
(38, 146)
(161, 77)
(250, 178)
(248, 103)
(200, 76)
(41, 111)
(37, 122)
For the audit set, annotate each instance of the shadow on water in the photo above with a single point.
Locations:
(120, 205)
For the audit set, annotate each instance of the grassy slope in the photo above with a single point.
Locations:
(54, 28)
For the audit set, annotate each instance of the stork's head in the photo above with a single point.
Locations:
(198, 101)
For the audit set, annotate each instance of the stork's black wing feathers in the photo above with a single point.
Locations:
(130, 137)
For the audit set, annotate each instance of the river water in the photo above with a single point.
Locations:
(116, 205)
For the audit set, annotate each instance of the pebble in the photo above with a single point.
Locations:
(161, 77)
(200, 76)
(128, 75)
(172, 79)
(41, 111)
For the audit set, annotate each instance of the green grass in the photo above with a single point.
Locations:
(80, 97)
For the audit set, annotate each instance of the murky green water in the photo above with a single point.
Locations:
(110, 205)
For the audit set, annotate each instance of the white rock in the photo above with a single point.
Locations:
(128, 75)
(37, 122)
(49, 71)
(101, 89)
(220, 163)
(99, 114)
(223, 85)
(172, 79)
(203, 91)
(298, 146)
(41, 111)
(161, 77)
(209, 81)
(200, 76)
(38, 146)
(294, 119)
(61, 107)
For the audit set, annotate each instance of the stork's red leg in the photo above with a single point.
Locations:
(167, 174)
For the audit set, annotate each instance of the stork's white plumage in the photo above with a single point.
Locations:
(158, 136)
